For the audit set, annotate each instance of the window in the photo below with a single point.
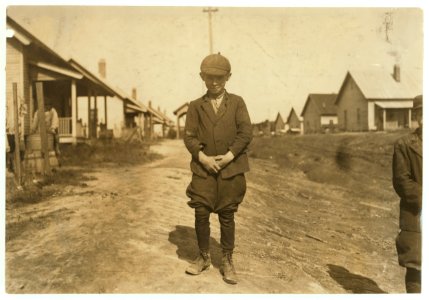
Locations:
(358, 115)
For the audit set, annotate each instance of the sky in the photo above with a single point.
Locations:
(278, 55)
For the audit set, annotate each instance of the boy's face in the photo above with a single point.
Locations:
(215, 83)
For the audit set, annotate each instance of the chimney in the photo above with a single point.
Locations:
(102, 68)
(134, 93)
(159, 109)
(150, 104)
(397, 73)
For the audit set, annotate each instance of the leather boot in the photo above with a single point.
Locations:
(227, 269)
(202, 263)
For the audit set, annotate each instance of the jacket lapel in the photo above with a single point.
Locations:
(416, 145)
(208, 109)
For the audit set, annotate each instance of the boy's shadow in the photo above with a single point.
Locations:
(184, 238)
(354, 283)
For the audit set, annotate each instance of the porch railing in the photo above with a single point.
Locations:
(65, 126)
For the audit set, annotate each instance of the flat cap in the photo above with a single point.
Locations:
(418, 102)
(215, 64)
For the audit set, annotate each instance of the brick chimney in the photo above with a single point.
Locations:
(102, 68)
(134, 93)
(397, 73)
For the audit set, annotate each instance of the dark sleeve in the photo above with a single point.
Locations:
(244, 129)
(408, 189)
(191, 129)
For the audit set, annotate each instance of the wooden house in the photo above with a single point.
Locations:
(278, 126)
(376, 100)
(28, 60)
(320, 113)
(180, 113)
(294, 122)
(93, 101)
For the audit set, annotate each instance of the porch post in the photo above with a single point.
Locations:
(96, 113)
(145, 126)
(74, 111)
(31, 104)
(410, 124)
(151, 127)
(89, 115)
(163, 129)
(105, 111)
(178, 127)
(384, 119)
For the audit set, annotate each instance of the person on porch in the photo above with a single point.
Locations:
(52, 124)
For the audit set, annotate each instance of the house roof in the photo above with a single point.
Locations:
(325, 104)
(27, 39)
(45, 57)
(395, 104)
(135, 108)
(279, 116)
(167, 120)
(56, 69)
(379, 83)
(292, 112)
(97, 80)
(181, 107)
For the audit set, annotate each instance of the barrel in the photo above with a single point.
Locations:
(34, 142)
(34, 161)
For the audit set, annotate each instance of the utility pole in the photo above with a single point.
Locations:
(388, 25)
(209, 11)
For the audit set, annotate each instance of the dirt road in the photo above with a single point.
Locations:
(131, 231)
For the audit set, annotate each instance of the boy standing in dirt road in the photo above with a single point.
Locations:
(217, 133)
(407, 181)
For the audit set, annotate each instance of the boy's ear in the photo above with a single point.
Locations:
(202, 75)
(228, 76)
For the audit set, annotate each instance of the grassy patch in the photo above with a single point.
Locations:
(111, 152)
(77, 163)
(358, 159)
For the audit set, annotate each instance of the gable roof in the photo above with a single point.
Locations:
(292, 112)
(279, 116)
(184, 106)
(325, 104)
(379, 83)
(44, 57)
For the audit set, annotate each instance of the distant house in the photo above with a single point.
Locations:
(180, 112)
(320, 113)
(278, 126)
(376, 100)
(294, 122)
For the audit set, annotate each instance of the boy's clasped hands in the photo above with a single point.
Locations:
(213, 164)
